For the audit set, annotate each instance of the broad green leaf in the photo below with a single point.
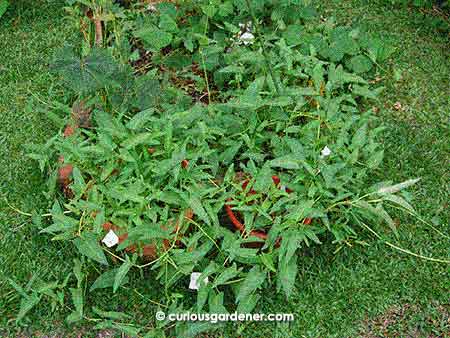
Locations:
(154, 38)
(364, 91)
(280, 101)
(106, 280)
(61, 223)
(247, 305)
(215, 302)
(397, 187)
(267, 260)
(167, 23)
(196, 205)
(399, 201)
(375, 160)
(286, 162)
(18, 288)
(264, 179)
(77, 299)
(88, 245)
(286, 276)
(121, 273)
(79, 184)
(255, 278)
(380, 212)
(202, 296)
(77, 271)
(143, 138)
(209, 10)
(360, 137)
(140, 119)
(226, 275)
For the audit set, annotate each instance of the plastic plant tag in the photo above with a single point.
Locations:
(195, 283)
(110, 239)
(325, 152)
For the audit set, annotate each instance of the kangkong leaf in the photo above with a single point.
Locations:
(255, 278)
(286, 276)
(140, 119)
(121, 273)
(397, 187)
(88, 245)
(143, 138)
(107, 279)
(264, 179)
(77, 299)
(226, 275)
(196, 205)
(286, 162)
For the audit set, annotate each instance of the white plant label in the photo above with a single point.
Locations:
(110, 239)
(195, 283)
(325, 152)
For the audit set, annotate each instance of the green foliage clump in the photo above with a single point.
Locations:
(274, 127)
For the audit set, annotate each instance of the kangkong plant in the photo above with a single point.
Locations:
(205, 154)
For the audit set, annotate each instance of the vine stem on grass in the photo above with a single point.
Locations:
(406, 251)
(23, 213)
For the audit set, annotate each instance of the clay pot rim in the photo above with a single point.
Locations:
(241, 227)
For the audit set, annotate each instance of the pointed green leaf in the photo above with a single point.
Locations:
(88, 245)
(106, 280)
(255, 278)
(286, 276)
(121, 273)
(397, 187)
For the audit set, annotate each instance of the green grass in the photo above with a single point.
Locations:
(345, 294)
(30, 32)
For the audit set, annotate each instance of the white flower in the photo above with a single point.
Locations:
(247, 38)
(325, 152)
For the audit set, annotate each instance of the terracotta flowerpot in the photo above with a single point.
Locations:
(238, 225)
(80, 118)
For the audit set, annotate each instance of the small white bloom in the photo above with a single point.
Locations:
(325, 152)
(195, 283)
(110, 239)
(247, 38)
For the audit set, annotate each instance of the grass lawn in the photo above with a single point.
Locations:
(369, 291)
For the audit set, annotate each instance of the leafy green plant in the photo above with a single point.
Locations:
(159, 165)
